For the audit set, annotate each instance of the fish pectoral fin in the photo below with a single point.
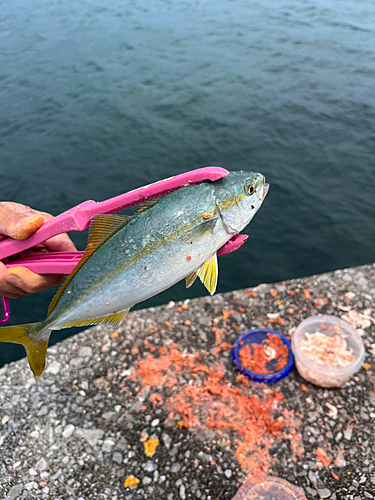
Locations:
(207, 272)
(114, 319)
(196, 233)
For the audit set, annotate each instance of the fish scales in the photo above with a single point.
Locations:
(143, 258)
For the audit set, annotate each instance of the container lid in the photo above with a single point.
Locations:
(268, 488)
(257, 336)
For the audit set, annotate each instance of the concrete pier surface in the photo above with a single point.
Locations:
(156, 410)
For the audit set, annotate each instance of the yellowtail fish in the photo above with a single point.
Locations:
(130, 259)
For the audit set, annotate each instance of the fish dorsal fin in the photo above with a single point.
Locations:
(102, 227)
(113, 319)
(207, 273)
(147, 204)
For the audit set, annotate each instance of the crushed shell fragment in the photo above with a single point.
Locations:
(130, 481)
(150, 446)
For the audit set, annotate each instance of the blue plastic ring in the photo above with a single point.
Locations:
(255, 337)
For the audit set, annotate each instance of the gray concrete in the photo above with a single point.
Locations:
(78, 431)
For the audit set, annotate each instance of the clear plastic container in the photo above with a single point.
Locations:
(268, 488)
(319, 374)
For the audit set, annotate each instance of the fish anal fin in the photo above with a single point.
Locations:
(102, 227)
(207, 272)
(113, 319)
(190, 279)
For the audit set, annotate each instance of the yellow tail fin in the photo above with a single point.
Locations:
(36, 348)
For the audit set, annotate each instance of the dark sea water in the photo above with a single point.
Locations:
(98, 97)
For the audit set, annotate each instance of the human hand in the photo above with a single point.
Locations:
(20, 222)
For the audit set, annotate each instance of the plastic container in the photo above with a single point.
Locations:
(268, 488)
(256, 336)
(319, 374)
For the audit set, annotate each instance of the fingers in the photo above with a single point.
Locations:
(60, 243)
(17, 281)
(7, 289)
(19, 223)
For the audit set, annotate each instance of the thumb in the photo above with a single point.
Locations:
(18, 225)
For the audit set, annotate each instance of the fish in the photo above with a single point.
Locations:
(129, 259)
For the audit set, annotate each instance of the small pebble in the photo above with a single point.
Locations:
(149, 467)
(32, 485)
(108, 445)
(182, 491)
(68, 431)
(117, 457)
(167, 440)
(41, 464)
(53, 368)
(92, 436)
(348, 433)
(85, 351)
(108, 415)
(15, 492)
(324, 493)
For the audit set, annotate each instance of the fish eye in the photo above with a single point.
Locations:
(250, 188)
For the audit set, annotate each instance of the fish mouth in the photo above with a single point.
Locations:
(266, 188)
(262, 188)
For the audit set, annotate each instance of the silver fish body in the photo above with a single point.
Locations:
(158, 248)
